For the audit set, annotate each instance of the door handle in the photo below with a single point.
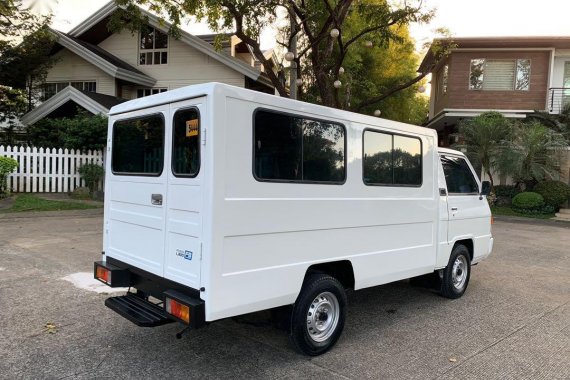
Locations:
(156, 199)
(454, 209)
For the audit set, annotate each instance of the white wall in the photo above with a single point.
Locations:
(186, 66)
(560, 58)
(70, 67)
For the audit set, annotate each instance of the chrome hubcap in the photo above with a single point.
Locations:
(459, 272)
(323, 316)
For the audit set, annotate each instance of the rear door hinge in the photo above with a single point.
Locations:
(204, 134)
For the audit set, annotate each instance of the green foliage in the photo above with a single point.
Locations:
(528, 201)
(506, 191)
(485, 139)
(12, 106)
(509, 211)
(533, 153)
(7, 166)
(554, 192)
(24, 53)
(91, 174)
(17, 20)
(30, 202)
(84, 132)
(371, 71)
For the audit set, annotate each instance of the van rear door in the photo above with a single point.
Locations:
(185, 192)
(154, 189)
(135, 188)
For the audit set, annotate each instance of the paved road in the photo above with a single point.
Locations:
(513, 322)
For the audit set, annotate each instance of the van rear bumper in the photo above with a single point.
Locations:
(148, 284)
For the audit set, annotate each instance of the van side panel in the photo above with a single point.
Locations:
(267, 234)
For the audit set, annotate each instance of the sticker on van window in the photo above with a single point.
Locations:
(184, 254)
(191, 127)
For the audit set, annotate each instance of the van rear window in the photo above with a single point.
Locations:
(186, 143)
(296, 149)
(138, 146)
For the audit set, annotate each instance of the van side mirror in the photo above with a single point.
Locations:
(485, 188)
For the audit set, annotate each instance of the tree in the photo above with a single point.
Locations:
(485, 139)
(17, 21)
(371, 71)
(315, 23)
(12, 106)
(25, 51)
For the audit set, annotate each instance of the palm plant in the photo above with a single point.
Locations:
(485, 139)
(532, 154)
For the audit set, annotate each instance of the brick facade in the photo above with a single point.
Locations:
(459, 96)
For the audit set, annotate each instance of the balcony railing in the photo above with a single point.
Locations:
(558, 98)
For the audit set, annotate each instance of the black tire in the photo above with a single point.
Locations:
(456, 274)
(318, 316)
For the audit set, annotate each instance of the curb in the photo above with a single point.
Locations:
(523, 220)
(90, 213)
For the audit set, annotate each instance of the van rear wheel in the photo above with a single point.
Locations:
(318, 315)
(455, 276)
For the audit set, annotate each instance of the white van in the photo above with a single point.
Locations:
(222, 201)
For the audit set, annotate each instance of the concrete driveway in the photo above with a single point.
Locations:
(513, 322)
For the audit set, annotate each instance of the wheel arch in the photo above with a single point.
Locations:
(341, 270)
(468, 243)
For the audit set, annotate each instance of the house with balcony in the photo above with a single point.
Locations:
(515, 76)
(96, 69)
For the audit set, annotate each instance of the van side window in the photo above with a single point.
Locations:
(458, 176)
(392, 160)
(186, 143)
(138, 146)
(294, 149)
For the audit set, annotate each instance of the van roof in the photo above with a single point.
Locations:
(271, 101)
(451, 151)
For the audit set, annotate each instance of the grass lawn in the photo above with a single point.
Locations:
(29, 202)
(507, 211)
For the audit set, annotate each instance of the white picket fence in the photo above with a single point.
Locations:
(47, 170)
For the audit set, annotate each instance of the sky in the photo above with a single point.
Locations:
(463, 18)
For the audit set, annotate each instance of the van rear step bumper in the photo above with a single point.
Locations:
(138, 310)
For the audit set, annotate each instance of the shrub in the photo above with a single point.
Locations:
(91, 174)
(83, 131)
(554, 192)
(528, 201)
(7, 165)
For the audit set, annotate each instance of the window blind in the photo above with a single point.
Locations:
(499, 75)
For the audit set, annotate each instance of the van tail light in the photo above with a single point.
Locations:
(187, 309)
(111, 275)
(492, 220)
(103, 274)
(178, 310)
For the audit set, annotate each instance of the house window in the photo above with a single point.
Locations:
(52, 88)
(443, 80)
(142, 92)
(499, 74)
(153, 48)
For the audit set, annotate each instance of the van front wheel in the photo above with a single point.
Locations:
(456, 275)
(318, 315)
